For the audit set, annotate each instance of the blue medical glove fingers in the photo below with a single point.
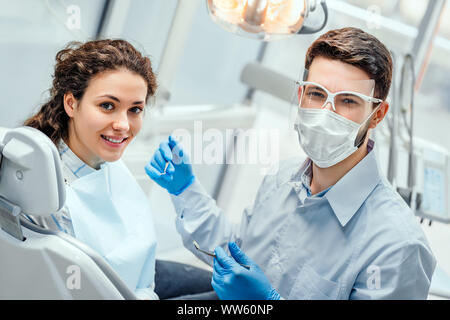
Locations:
(219, 272)
(217, 268)
(158, 161)
(179, 156)
(219, 288)
(222, 282)
(166, 157)
(238, 255)
(172, 142)
(232, 281)
(155, 168)
(225, 260)
(166, 151)
(177, 177)
(152, 172)
(159, 164)
(175, 147)
(161, 157)
(156, 175)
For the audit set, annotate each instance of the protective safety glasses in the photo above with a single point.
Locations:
(315, 96)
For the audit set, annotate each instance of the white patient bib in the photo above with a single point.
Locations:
(111, 214)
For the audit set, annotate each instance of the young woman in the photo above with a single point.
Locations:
(96, 106)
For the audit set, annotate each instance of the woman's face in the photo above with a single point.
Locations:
(108, 117)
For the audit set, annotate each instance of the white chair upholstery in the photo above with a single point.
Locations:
(36, 263)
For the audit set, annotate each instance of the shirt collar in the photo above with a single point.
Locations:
(352, 190)
(302, 177)
(77, 166)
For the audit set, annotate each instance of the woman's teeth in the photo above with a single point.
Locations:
(113, 140)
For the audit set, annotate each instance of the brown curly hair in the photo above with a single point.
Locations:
(358, 48)
(75, 65)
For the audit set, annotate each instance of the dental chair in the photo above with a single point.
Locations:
(37, 263)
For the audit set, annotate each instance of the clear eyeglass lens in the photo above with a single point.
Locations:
(315, 97)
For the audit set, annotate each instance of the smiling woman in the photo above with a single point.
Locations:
(107, 118)
(100, 89)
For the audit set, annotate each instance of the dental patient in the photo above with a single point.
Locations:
(96, 107)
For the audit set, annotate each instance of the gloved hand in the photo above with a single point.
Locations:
(178, 174)
(231, 281)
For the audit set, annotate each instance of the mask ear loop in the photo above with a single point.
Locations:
(361, 138)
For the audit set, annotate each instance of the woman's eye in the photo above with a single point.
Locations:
(136, 110)
(107, 106)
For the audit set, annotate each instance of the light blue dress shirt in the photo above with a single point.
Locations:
(356, 240)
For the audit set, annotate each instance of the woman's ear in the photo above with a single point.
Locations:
(70, 104)
(379, 115)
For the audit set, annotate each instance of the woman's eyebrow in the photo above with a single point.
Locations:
(117, 99)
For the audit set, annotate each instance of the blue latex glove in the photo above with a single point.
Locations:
(231, 281)
(178, 174)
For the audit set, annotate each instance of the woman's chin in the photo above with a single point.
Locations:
(113, 158)
(110, 156)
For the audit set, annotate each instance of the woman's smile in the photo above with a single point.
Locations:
(114, 141)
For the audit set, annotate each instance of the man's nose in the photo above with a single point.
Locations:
(329, 105)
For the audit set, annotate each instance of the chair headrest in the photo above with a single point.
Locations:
(31, 172)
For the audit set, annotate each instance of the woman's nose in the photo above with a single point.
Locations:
(121, 123)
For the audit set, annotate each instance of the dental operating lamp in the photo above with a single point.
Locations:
(265, 19)
(258, 19)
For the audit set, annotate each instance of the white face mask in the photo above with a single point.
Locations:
(327, 137)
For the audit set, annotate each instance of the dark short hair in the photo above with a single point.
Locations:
(358, 48)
